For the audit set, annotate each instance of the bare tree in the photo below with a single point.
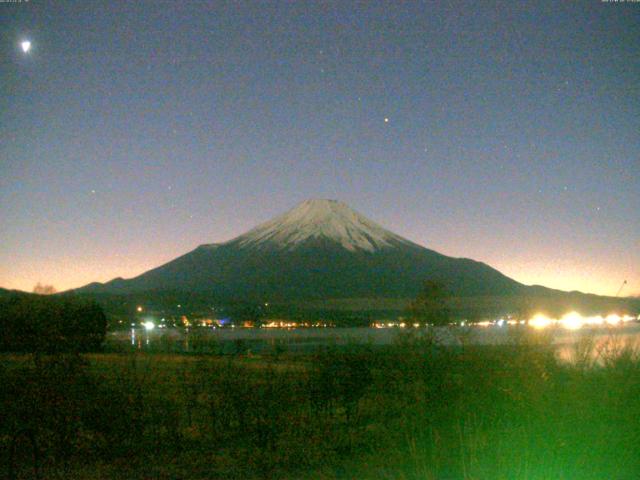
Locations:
(44, 289)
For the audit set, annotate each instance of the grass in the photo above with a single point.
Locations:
(414, 410)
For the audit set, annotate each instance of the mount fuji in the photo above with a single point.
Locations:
(319, 250)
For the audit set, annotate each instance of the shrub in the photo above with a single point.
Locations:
(31, 323)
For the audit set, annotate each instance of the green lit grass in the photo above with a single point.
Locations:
(411, 411)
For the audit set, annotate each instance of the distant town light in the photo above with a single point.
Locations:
(139, 309)
(540, 321)
(613, 319)
(149, 325)
(572, 321)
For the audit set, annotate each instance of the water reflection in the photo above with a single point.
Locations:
(569, 334)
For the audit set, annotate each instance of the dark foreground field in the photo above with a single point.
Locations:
(411, 411)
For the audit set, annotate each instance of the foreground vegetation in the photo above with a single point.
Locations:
(48, 324)
(412, 411)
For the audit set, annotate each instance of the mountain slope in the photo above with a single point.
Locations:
(321, 249)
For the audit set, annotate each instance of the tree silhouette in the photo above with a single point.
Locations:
(430, 307)
(44, 289)
(31, 323)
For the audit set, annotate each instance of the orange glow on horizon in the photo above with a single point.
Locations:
(74, 272)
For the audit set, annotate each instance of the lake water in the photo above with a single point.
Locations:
(603, 338)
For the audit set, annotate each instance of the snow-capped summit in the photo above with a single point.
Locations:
(321, 219)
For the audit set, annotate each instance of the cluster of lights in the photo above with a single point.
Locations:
(394, 325)
(569, 321)
(488, 323)
(284, 324)
(575, 321)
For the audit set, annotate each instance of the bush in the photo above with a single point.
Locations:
(38, 324)
(509, 411)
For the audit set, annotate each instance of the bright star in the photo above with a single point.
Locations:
(386, 120)
(26, 46)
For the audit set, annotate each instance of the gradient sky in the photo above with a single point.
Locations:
(134, 131)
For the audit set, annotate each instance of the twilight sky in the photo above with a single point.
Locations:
(132, 132)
